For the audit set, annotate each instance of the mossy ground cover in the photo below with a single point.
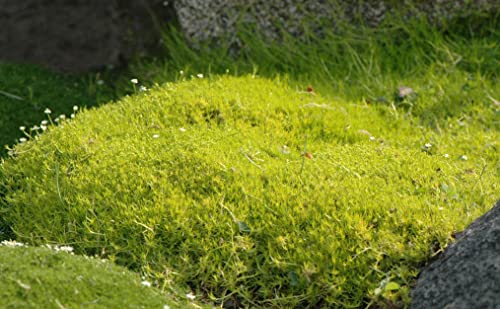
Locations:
(39, 277)
(27, 90)
(257, 191)
(245, 189)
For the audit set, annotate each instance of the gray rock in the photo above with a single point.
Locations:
(467, 274)
(76, 36)
(80, 35)
(211, 20)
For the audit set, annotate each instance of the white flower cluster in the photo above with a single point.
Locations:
(44, 125)
(57, 248)
(12, 244)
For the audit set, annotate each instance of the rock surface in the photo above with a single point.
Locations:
(467, 274)
(80, 35)
(210, 20)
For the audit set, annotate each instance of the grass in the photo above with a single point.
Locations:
(247, 189)
(26, 91)
(345, 62)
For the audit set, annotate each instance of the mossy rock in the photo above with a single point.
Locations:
(39, 277)
(249, 192)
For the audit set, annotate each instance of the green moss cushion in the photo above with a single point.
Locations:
(39, 277)
(249, 191)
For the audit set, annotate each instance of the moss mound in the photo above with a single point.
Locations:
(248, 192)
(37, 277)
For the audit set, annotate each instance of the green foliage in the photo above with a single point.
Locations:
(346, 59)
(247, 191)
(252, 191)
(26, 91)
(42, 278)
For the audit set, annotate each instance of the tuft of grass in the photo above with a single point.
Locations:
(248, 192)
(39, 277)
(347, 59)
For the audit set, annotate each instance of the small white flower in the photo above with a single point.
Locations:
(43, 127)
(44, 122)
(181, 72)
(372, 138)
(156, 135)
(75, 108)
(191, 296)
(35, 128)
(134, 81)
(464, 158)
(166, 307)
(199, 75)
(47, 111)
(65, 249)
(57, 248)
(446, 155)
(284, 149)
(23, 140)
(146, 283)
(57, 119)
(72, 115)
(182, 130)
(22, 128)
(428, 145)
(143, 88)
(62, 116)
(100, 82)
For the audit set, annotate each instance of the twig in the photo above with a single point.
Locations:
(12, 96)
(252, 161)
(303, 157)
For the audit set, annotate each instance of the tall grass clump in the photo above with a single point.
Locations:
(348, 58)
(246, 192)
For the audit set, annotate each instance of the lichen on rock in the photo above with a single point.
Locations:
(212, 20)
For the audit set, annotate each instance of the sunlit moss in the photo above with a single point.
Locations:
(191, 177)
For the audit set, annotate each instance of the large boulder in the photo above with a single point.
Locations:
(210, 20)
(467, 274)
(76, 36)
